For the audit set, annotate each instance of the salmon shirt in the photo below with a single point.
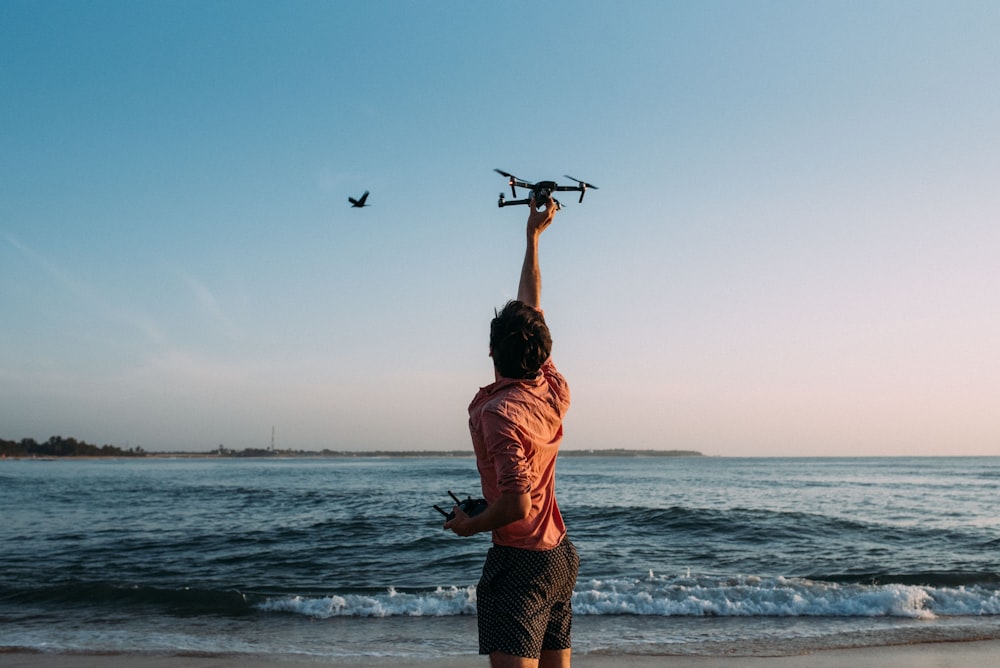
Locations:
(516, 428)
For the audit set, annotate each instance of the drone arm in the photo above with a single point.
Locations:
(504, 202)
(513, 182)
(582, 186)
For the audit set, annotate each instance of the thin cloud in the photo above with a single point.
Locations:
(84, 292)
(207, 303)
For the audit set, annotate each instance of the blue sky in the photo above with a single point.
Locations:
(793, 250)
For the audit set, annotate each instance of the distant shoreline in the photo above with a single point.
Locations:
(58, 447)
(346, 454)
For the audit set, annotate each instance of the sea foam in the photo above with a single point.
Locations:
(442, 602)
(687, 596)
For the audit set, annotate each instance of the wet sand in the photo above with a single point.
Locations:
(929, 655)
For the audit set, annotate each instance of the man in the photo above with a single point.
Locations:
(524, 598)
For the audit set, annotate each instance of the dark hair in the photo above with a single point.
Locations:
(519, 340)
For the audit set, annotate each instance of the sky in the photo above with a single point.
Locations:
(793, 247)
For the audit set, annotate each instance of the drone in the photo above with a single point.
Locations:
(541, 191)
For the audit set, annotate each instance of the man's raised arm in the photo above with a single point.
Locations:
(529, 289)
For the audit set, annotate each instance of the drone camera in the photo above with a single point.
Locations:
(542, 195)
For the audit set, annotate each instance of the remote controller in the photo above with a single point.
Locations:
(469, 506)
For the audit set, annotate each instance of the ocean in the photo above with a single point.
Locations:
(346, 557)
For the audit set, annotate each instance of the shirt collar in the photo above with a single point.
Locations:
(504, 382)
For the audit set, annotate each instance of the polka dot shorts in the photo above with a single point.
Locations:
(524, 599)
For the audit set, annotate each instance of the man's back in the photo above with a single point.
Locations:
(516, 429)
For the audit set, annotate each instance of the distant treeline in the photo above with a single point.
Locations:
(625, 452)
(57, 446)
(260, 452)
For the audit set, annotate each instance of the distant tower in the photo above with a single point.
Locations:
(272, 438)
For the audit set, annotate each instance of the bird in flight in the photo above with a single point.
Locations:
(358, 203)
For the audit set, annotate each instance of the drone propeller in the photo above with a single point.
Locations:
(583, 185)
(511, 181)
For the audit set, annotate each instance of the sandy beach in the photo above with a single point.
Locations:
(929, 655)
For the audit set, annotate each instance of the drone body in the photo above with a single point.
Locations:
(541, 191)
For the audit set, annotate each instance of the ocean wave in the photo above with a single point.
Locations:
(184, 600)
(921, 578)
(739, 523)
(442, 602)
(748, 596)
(743, 596)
